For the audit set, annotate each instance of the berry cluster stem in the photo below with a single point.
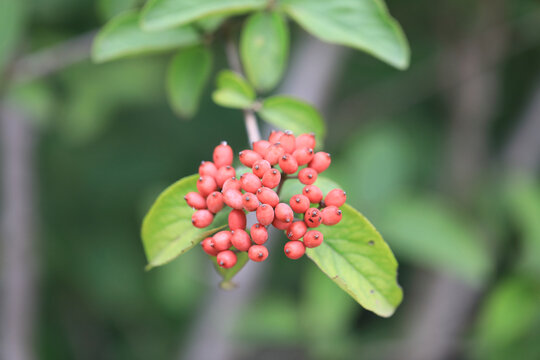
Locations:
(282, 181)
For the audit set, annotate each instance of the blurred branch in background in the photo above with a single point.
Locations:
(18, 255)
(218, 317)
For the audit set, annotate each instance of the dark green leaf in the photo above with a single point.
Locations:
(228, 274)
(122, 37)
(187, 76)
(264, 48)
(233, 91)
(111, 8)
(12, 14)
(293, 114)
(165, 14)
(362, 24)
(167, 231)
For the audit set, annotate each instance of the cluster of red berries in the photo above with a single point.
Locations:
(254, 191)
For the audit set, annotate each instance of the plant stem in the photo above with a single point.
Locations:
(283, 179)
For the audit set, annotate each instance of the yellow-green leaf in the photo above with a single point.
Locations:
(233, 91)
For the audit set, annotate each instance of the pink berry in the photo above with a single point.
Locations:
(271, 178)
(265, 214)
(261, 147)
(206, 185)
(274, 153)
(195, 200)
(222, 240)
(226, 259)
(249, 157)
(202, 218)
(259, 234)
(224, 173)
(296, 230)
(307, 176)
(288, 141)
(250, 201)
(208, 246)
(299, 203)
(313, 193)
(214, 202)
(281, 225)
(233, 199)
(260, 167)
(331, 215)
(232, 183)
(237, 219)
(268, 196)
(250, 182)
(305, 140)
(207, 168)
(288, 164)
(258, 253)
(274, 136)
(313, 217)
(240, 239)
(294, 249)
(303, 155)
(320, 162)
(313, 238)
(336, 197)
(283, 212)
(223, 155)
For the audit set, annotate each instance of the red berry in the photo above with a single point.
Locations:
(336, 197)
(195, 200)
(248, 157)
(261, 147)
(214, 202)
(271, 178)
(307, 176)
(202, 218)
(274, 136)
(331, 215)
(265, 214)
(237, 219)
(303, 155)
(223, 155)
(313, 238)
(294, 249)
(305, 140)
(208, 168)
(250, 182)
(274, 153)
(260, 167)
(268, 196)
(259, 234)
(240, 239)
(288, 141)
(288, 164)
(296, 230)
(283, 212)
(206, 185)
(250, 201)
(224, 174)
(222, 240)
(208, 246)
(231, 184)
(226, 259)
(233, 199)
(258, 253)
(320, 162)
(299, 203)
(313, 193)
(281, 225)
(313, 217)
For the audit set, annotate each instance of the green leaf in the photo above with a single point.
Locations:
(233, 91)
(165, 14)
(293, 114)
(228, 274)
(361, 24)
(187, 76)
(355, 256)
(122, 37)
(12, 16)
(264, 48)
(110, 8)
(167, 231)
(427, 232)
(210, 23)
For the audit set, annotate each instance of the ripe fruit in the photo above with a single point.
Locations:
(313, 193)
(281, 225)
(265, 214)
(305, 140)
(208, 246)
(259, 234)
(268, 196)
(303, 155)
(250, 201)
(215, 202)
(320, 162)
(202, 218)
(195, 200)
(261, 147)
(250, 182)
(237, 220)
(224, 173)
(288, 164)
(206, 184)
(271, 178)
(223, 155)
(299, 203)
(274, 153)
(313, 238)
(274, 136)
(232, 183)
(208, 168)
(283, 212)
(260, 167)
(258, 253)
(222, 240)
(249, 157)
(336, 197)
(296, 230)
(331, 215)
(307, 176)
(240, 239)
(294, 249)
(226, 259)
(288, 141)
(313, 217)
(233, 199)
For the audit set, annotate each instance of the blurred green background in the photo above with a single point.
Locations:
(443, 158)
